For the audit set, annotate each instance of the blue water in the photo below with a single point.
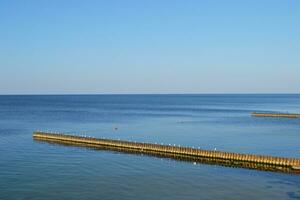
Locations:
(36, 170)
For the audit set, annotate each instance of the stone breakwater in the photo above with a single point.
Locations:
(260, 162)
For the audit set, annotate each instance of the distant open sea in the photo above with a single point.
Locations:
(37, 170)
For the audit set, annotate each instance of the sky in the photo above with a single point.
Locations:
(149, 46)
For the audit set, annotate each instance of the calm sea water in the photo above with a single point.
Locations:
(36, 170)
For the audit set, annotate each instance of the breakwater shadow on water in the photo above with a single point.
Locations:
(177, 157)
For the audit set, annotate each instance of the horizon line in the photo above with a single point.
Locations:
(214, 93)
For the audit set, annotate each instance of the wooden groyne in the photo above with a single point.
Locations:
(285, 115)
(260, 162)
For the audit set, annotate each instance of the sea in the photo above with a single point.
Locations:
(32, 169)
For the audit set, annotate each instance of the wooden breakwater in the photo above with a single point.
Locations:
(285, 115)
(269, 163)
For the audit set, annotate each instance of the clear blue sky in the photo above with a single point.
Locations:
(149, 46)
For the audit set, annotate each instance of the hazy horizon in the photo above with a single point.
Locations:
(75, 94)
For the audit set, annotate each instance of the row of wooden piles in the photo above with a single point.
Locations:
(291, 163)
